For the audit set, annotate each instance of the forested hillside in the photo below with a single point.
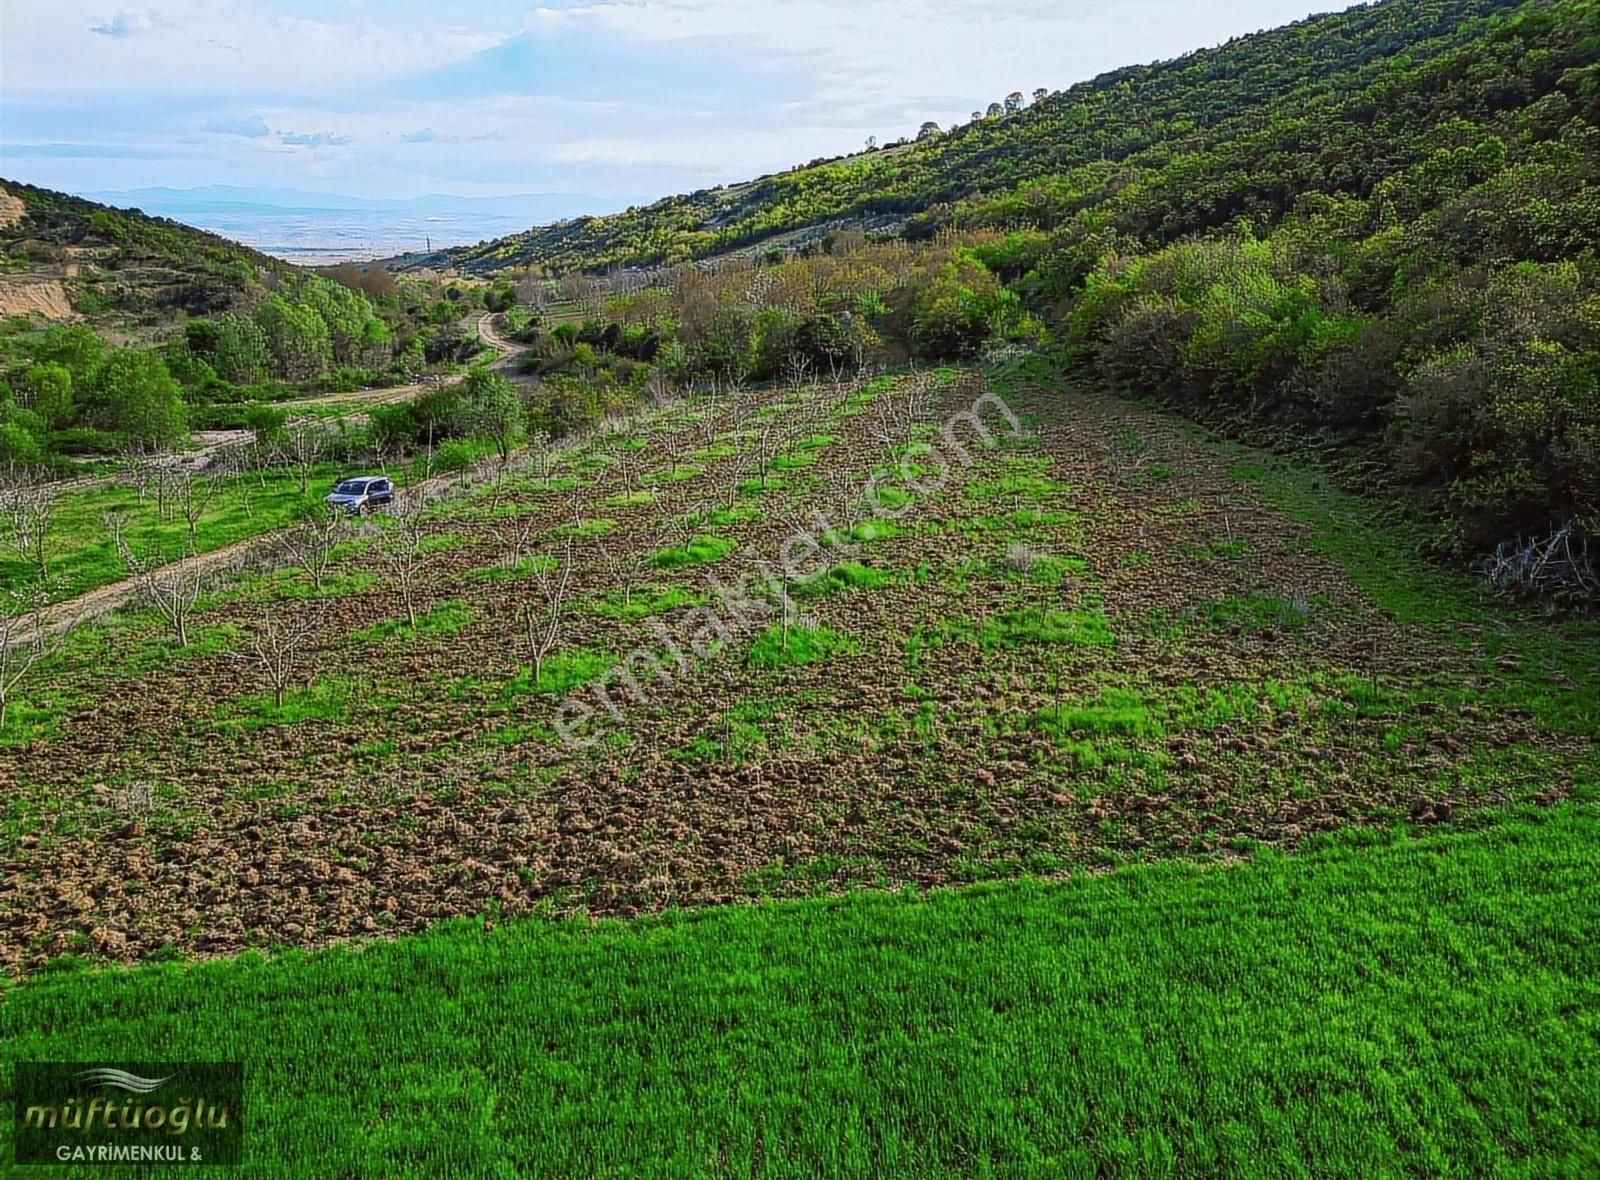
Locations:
(126, 331)
(120, 263)
(1140, 114)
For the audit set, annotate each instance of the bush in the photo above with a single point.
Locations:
(455, 455)
(85, 440)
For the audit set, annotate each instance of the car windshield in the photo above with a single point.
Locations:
(351, 487)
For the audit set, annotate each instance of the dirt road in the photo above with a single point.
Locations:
(509, 349)
(105, 599)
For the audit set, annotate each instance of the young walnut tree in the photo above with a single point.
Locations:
(172, 587)
(542, 618)
(273, 651)
(193, 493)
(310, 546)
(404, 556)
(27, 507)
(302, 447)
(25, 642)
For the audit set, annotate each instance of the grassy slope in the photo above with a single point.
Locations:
(1147, 114)
(1423, 1006)
(84, 558)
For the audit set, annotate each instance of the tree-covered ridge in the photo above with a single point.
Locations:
(124, 263)
(1187, 105)
(177, 329)
(1412, 272)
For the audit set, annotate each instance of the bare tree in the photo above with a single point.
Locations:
(630, 463)
(798, 368)
(725, 479)
(403, 554)
(542, 618)
(709, 424)
(624, 568)
(580, 289)
(782, 576)
(516, 540)
(844, 505)
(173, 588)
(541, 451)
(137, 472)
(230, 468)
(273, 650)
(25, 641)
(531, 292)
(28, 505)
(575, 508)
(192, 493)
(901, 409)
(767, 441)
(303, 446)
(311, 545)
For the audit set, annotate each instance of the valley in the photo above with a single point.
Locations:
(1065, 645)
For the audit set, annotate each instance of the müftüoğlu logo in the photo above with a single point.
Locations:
(129, 1112)
(123, 1080)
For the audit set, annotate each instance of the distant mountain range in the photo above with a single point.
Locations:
(317, 227)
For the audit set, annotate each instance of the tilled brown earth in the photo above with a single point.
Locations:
(1225, 686)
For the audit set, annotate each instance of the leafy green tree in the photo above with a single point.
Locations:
(492, 410)
(19, 446)
(266, 423)
(136, 397)
(239, 353)
(297, 337)
(76, 346)
(48, 388)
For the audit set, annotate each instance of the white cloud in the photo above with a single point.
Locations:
(247, 126)
(221, 47)
(314, 139)
(128, 23)
(945, 54)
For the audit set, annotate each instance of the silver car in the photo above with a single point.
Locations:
(361, 493)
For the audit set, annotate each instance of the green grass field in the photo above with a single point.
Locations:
(84, 557)
(1399, 1004)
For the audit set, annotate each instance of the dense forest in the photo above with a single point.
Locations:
(1376, 230)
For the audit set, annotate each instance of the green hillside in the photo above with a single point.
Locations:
(120, 331)
(120, 264)
(1135, 117)
(1374, 233)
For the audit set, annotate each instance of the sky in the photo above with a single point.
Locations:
(622, 100)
